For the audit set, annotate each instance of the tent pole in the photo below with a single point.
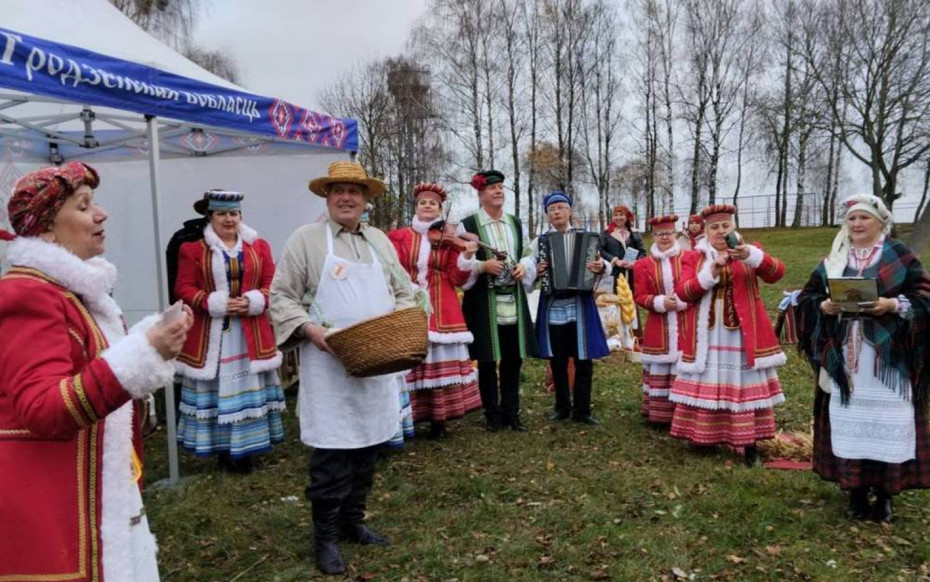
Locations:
(154, 174)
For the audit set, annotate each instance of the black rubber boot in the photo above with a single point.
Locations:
(326, 536)
(858, 503)
(352, 524)
(883, 510)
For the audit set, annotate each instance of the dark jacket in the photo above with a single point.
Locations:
(190, 232)
(611, 248)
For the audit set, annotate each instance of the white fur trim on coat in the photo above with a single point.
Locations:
(671, 319)
(136, 364)
(779, 359)
(218, 304)
(755, 257)
(267, 365)
(705, 278)
(658, 304)
(257, 302)
(700, 358)
(457, 337)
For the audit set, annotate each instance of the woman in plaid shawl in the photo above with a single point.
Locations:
(870, 412)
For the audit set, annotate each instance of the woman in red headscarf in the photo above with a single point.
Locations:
(726, 387)
(70, 443)
(444, 387)
(617, 239)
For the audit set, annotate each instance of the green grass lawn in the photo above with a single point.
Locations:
(622, 501)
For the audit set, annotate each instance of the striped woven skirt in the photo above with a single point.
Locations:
(237, 413)
(657, 383)
(729, 403)
(445, 386)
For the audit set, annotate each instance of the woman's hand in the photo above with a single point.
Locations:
(881, 306)
(740, 253)
(596, 266)
(237, 306)
(541, 267)
(670, 303)
(829, 307)
(317, 336)
(169, 339)
(719, 262)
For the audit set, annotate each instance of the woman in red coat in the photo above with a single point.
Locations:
(444, 386)
(70, 448)
(231, 397)
(656, 277)
(726, 385)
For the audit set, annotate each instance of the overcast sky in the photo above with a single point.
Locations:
(292, 49)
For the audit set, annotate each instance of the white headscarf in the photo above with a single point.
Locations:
(839, 253)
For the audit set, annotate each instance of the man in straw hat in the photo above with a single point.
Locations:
(495, 305)
(337, 273)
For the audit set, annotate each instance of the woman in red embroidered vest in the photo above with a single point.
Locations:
(726, 385)
(656, 277)
(70, 443)
(870, 408)
(231, 398)
(444, 386)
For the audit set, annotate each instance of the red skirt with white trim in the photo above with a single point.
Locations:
(729, 403)
(445, 386)
(657, 382)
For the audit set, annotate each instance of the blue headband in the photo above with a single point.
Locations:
(557, 196)
(224, 200)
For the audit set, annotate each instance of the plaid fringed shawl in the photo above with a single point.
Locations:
(900, 343)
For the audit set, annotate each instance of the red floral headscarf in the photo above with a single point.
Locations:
(38, 196)
(630, 218)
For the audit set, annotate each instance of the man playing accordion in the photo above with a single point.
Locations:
(568, 264)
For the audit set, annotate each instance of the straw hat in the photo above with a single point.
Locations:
(347, 173)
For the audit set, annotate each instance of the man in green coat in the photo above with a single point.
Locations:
(495, 305)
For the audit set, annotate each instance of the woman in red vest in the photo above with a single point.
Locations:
(726, 385)
(444, 386)
(70, 443)
(231, 397)
(656, 277)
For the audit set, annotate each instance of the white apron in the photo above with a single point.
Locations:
(336, 410)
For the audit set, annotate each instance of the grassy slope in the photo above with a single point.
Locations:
(622, 501)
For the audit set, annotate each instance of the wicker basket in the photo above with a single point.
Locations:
(382, 345)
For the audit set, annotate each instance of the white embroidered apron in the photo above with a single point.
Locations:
(336, 410)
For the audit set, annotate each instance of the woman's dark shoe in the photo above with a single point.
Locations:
(516, 424)
(858, 503)
(883, 510)
(437, 430)
(751, 455)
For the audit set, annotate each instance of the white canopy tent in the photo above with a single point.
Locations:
(79, 80)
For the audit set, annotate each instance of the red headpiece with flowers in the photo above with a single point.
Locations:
(38, 196)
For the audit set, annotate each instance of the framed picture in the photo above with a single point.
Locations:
(853, 294)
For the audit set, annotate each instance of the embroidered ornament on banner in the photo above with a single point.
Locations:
(281, 116)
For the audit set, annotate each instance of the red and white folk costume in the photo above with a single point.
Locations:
(726, 385)
(69, 435)
(444, 386)
(655, 278)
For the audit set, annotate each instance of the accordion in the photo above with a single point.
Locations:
(568, 255)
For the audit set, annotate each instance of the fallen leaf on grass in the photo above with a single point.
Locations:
(773, 550)
(482, 558)
(545, 561)
(733, 558)
(679, 573)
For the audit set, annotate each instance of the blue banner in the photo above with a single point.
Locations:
(37, 66)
